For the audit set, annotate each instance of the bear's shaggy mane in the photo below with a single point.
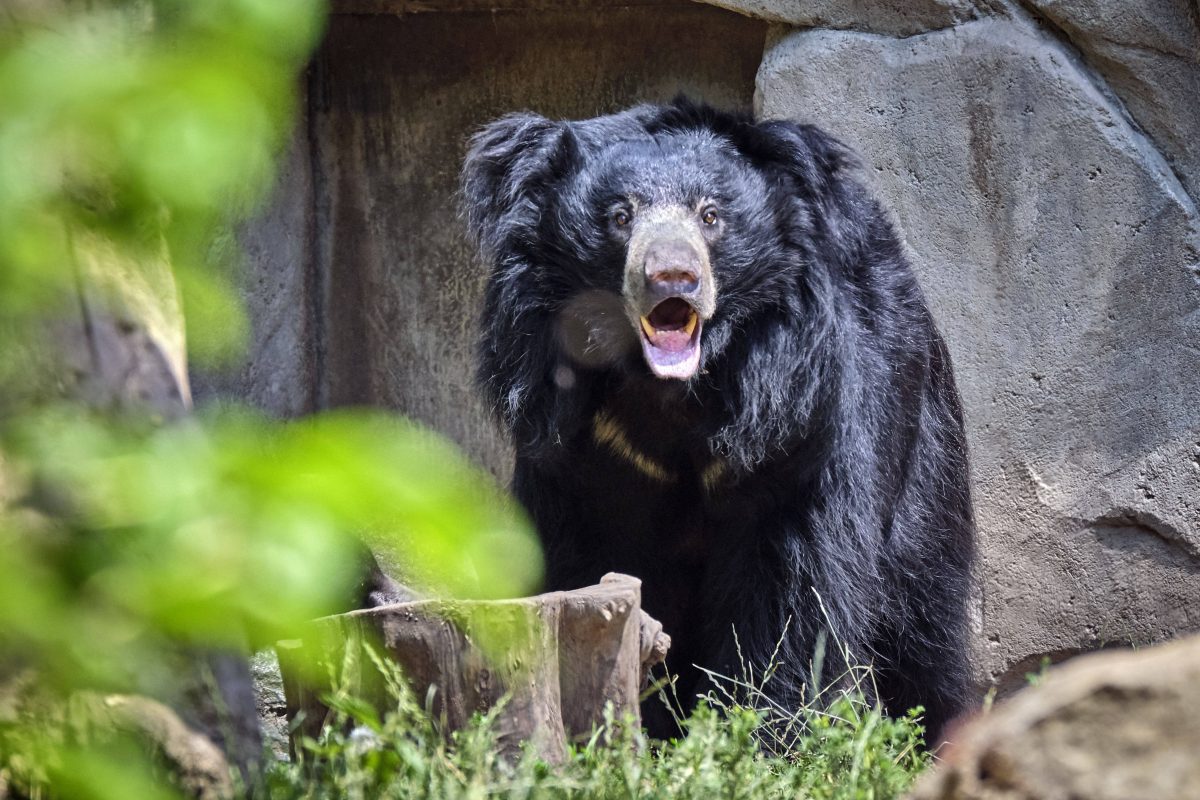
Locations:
(824, 390)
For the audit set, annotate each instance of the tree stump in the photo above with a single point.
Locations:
(556, 658)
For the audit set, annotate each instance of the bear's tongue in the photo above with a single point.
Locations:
(671, 339)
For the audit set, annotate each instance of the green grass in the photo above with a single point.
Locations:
(841, 749)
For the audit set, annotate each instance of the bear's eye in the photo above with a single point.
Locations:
(621, 217)
(709, 216)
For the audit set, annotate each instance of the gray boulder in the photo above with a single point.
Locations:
(1109, 726)
(1059, 251)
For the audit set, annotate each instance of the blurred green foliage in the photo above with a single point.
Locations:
(139, 134)
(152, 124)
(225, 528)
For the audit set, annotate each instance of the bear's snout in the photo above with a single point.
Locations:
(672, 269)
(667, 257)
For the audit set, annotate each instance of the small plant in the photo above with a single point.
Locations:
(1035, 678)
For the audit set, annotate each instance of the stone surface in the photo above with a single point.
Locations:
(281, 288)
(1059, 252)
(270, 702)
(887, 17)
(1108, 726)
(1148, 54)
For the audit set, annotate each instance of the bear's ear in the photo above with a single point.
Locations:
(509, 162)
(812, 156)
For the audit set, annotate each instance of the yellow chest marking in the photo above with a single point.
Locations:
(608, 433)
(713, 474)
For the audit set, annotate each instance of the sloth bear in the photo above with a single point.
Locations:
(720, 375)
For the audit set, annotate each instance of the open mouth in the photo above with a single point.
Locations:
(671, 339)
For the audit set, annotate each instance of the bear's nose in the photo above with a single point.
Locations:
(672, 268)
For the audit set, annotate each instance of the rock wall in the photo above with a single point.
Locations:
(1040, 160)
(1041, 157)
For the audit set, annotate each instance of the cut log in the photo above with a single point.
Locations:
(557, 660)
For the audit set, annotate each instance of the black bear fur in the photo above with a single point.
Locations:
(812, 475)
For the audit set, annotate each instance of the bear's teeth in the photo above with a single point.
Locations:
(689, 328)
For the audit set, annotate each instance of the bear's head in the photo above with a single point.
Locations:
(663, 241)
